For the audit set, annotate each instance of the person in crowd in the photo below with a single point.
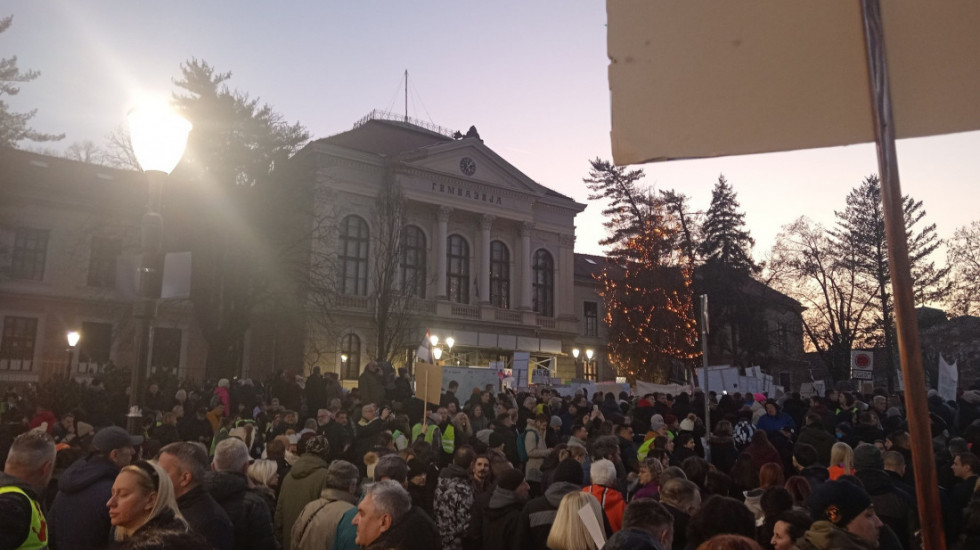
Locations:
(841, 460)
(454, 499)
(26, 473)
(500, 516)
(196, 427)
(247, 509)
(806, 464)
(480, 478)
(647, 525)
(682, 499)
(966, 467)
(762, 451)
(745, 475)
(844, 519)
(729, 542)
(539, 513)
(386, 519)
(316, 525)
(569, 531)
(186, 465)
(799, 489)
(537, 450)
(143, 502)
(774, 502)
(263, 477)
(78, 518)
(894, 507)
(417, 486)
(304, 484)
(371, 384)
(788, 528)
(389, 468)
(504, 430)
(720, 516)
(603, 488)
(648, 481)
(815, 433)
(722, 446)
(775, 421)
(369, 427)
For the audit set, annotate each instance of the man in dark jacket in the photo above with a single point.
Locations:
(79, 518)
(816, 435)
(369, 427)
(186, 464)
(454, 499)
(504, 428)
(26, 473)
(540, 512)
(386, 519)
(502, 515)
(371, 384)
(682, 499)
(316, 392)
(896, 508)
(805, 462)
(250, 515)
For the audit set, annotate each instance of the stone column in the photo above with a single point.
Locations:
(442, 236)
(485, 224)
(565, 277)
(526, 265)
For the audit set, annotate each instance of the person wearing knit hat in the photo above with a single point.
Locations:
(540, 512)
(894, 506)
(844, 518)
(867, 456)
(502, 515)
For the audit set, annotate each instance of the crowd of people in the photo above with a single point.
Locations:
(300, 463)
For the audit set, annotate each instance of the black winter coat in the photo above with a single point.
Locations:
(247, 509)
(207, 518)
(415, 531)
(79, 517)
(501, 523)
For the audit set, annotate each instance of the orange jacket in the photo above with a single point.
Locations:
(612, 503)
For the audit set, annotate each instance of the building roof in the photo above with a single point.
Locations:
(387, 138)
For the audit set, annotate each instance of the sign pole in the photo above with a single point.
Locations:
(704, 361)
(909, 348)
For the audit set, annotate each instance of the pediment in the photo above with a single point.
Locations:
(469, 160)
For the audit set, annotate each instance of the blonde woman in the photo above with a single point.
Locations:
(263, 475)
(568, 531)
(143, 501)
(841, 460)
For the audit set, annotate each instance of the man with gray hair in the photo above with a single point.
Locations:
(386, 519)
(682, 499)
(26, 474)
(316, 525)
(228, 485)
(390, 467)
(186, 464)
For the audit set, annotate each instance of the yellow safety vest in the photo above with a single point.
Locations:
(37, 536)
(644, 449)
(429, 432)
(449, 440)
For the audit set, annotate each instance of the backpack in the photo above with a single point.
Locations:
(743, 433)
(522, 447)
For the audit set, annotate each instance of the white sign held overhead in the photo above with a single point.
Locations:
(948, 379)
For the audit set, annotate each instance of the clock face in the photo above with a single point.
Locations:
(467, 166)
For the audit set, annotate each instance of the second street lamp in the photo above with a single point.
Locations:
(73, 337)
(158, 136)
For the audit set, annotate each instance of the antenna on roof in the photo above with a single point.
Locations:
(406, 95)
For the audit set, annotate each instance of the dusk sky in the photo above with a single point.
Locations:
(531, 76)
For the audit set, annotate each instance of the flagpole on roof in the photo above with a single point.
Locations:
(909, 348)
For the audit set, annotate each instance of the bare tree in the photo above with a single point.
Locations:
(964, 259)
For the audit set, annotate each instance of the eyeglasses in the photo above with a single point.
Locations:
(149, 470)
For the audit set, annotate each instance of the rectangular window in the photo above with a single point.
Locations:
(166, 350)
(94, 347)
(102, 262)
(29, 253)
(592, 319)
(17, 343)
(782, 337)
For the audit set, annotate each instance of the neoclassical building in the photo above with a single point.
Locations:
(485, 254)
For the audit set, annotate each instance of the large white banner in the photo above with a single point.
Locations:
(948, 379)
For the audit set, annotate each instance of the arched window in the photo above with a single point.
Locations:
(499, 275)
(544, 283)
(353, 252)
(413, 261)
(350, 345)
(458, 270)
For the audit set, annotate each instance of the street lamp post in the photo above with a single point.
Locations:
(73, 337)
(343, 365)
(575, 353)
(589, 365)
(158, 136)
(450, 342)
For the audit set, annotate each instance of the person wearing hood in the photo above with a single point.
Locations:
(186, 465)
(304, 483)
(79, 519)
(317, 524)
(386, 519)
(454, 499)
(775, 421)
(27, 471)
(539, 513)
(895, 507)
(844, 519)
(502, 514)
(722, 446)
(228, 485)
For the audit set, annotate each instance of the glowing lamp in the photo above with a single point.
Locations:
(158, 136)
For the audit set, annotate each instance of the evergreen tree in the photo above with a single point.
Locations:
(725, 250)
(231, 208)
(13, 126)
(861, 228)
(646, 286)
